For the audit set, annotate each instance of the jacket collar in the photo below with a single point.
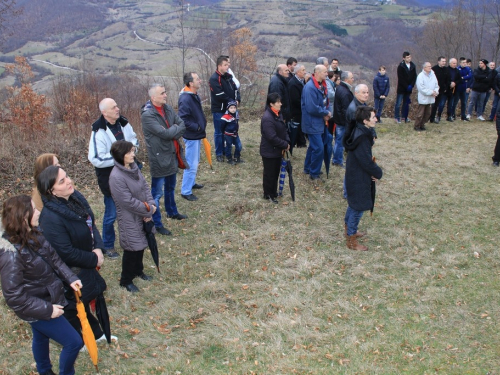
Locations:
(5, 244)
(101, 123)
(60, 206)
(133, 172)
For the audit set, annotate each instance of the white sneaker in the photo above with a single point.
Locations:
(467, 117)
(103, 339)
(481, 118)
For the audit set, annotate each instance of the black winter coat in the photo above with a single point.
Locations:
(295, 88)
(343, 97)
(70, 236)
(222, 90)
(443, 77)
(279, 84)
(482, 80)
(29, 283)
(406, 77)
(360, 168)
(274, 133)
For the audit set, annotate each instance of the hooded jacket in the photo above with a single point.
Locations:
(130, 190)
(159, 138)
(30, 284)
(381, 85)
(191, 112)
(466, 74)
(360, 168)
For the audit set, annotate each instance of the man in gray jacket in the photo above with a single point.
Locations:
(162, 129)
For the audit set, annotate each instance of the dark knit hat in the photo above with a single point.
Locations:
(484, 61)
(232, 103)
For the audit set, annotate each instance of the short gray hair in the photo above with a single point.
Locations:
(321, 60)
(425, 63)
(298, 67)
(344, 75)
(358, 87)
(153, 87)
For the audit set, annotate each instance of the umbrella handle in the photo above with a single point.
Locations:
(78, 294)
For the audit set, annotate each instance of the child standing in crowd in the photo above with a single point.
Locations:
(230, 130)
(381, 86)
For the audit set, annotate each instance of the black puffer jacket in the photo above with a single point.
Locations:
(274, 133)
(482, 80)
(360, 167)
(29, 284)
(70, 236)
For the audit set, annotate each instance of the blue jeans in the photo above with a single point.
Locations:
(62, 332)
(352, 218)
(314, 155)
(230, 141)
(218, 136)
(476, 98)
(494, 106)
(164, 186)
(461, 95)
(108, 221)
(379, 106)
(338, 148)
(401, 99)
(193, 159)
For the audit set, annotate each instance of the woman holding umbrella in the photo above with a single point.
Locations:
(134, 205)
(361, 172)
(68, 224)
(32, 284)
(273, 142)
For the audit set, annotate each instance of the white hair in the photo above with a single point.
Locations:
(152, 89)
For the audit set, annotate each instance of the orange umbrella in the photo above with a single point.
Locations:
(87, 334)
(208, 151)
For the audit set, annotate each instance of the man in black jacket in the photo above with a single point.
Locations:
(443, 78)
(295, 87)
(343, 98)
(482, 83)
(279, 84)
(222, 90)
(452, 90)
(407, 76)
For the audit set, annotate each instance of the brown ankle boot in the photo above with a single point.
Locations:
(358, 234)
(352, 243)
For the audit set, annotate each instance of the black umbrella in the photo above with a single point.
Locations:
(373, 190)
(293, 130)
(328, 151)
(153, 246)
(289, 170)
(101, 311)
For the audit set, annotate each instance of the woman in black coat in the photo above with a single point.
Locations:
(68, 224)
(32, 284)
(361, 170)
(274, 141)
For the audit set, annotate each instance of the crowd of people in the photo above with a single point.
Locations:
(45, 257)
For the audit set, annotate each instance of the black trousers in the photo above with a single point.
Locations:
(131, 266)
(271, 175)
(70, 314)
(496, 156)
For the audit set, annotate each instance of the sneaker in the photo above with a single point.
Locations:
(449, 119)
(495, 164)
(103, 339)
(164, 231)
(437, 119)
(220, 159)
(467, 118)
(407, 120)
(112, 254)
(480, 118)
(398, 121)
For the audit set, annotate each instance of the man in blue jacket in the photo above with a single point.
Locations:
(191, 112)
(466, 78)
(314, 104)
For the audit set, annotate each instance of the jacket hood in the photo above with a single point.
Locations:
(5, 244)
(357, 134)
(186, 91)
(101, 123)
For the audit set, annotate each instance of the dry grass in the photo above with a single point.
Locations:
(248, 287)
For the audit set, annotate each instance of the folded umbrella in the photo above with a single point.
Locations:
(87, 334)
(293, 131)
(281, 181)
(152, 244)
(208, 151)
(289, 170)
(328, 151)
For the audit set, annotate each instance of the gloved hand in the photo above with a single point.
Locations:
(409, 88)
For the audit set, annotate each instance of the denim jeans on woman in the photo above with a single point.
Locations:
(352, 218)
(63, 333)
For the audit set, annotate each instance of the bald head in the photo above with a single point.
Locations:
(109, 110)
(283, 70)
(320, 73)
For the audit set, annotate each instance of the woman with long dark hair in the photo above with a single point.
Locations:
(32, 277)
(68, 224)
